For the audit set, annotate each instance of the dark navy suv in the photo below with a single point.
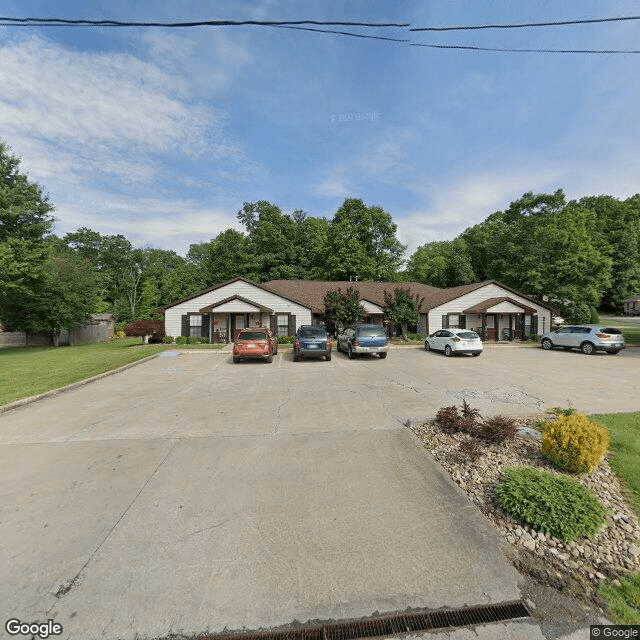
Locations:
(311, 341)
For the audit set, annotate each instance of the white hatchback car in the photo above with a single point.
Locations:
(453, 341)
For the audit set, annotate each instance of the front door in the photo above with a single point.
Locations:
(491, 327)
(238, 322)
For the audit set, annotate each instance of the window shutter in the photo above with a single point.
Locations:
(292, 324)
(185, 326)
(462, 322)
(205, 326)
(534, 324)
(273, 323)
(445, 321)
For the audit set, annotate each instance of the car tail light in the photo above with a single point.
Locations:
(603, 335)
(355, 342)
(329, 344)
(455, 339)
(296, 344)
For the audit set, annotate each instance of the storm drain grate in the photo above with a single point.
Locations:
(391, 624)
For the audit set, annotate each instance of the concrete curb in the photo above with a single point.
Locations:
(54, 392)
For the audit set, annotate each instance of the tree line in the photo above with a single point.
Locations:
(578, 254)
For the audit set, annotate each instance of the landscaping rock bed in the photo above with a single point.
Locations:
(580, 566)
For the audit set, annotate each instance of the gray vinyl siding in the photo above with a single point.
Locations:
(480, 295)
(173, 315)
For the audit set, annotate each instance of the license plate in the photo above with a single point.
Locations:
(251, 346)
(312, 346)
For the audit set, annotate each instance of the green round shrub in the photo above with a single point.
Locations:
(203, 340)
(554, 503)
(575, 443)
(192, 340)
(181, 340)
(167, 339)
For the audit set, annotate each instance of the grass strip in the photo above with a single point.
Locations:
(624, 433)
(623, 601)
(28, 371)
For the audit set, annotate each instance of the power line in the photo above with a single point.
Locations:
(50, 22)
(474, 48)
(343, 33)
(523, 25)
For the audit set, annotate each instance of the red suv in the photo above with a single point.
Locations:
(255, 343)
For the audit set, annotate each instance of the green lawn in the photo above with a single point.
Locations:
(631, 335)
(27, 371)
(624, 432)
(623, 601)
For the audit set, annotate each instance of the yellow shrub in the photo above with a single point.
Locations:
(121, 334)
(575, 443)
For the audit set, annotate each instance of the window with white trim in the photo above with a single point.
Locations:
(195, 325)
(454, 320)
(283, 324)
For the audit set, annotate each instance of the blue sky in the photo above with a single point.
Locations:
(161, 135)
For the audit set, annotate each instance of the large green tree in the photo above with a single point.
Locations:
(362, 244)
(224, 257)
(441, 264)
(65, 298)
(25, 221)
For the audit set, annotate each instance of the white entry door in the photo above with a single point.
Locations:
(240, 322)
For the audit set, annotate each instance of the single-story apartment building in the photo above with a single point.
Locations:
(632, 306)
(219, 312)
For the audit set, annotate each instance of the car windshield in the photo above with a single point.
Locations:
(313, 332)
(252, 335)
(612, 331)
(468, 335)
(372, 332)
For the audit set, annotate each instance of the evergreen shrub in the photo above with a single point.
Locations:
(167, 339)
(575, 443)
(554, 503)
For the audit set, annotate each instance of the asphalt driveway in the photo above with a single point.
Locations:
(188, 494)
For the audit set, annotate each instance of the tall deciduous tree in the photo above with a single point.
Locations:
(66, 298)
(441, 264)
(362, 244)
(25, 221)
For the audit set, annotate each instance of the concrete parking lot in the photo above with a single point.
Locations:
(189, 494)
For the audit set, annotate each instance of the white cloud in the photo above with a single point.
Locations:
(103, 112)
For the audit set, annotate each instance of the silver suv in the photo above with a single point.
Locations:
(589, 338)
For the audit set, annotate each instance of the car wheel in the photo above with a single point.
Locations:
(587, 348)
(296, 357)
(426, 346)
(382, 356)
(448, 351)
(475, 354)
(547, 344)
(270, 358)
(275, 352)
(236, 359)
(350, 353)
(338, 345)
(328, 357)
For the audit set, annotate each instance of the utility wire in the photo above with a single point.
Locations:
(343, 33)
(523, 25)
(473, 48)
(49, 22)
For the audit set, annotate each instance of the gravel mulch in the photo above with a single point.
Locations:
(577, 568)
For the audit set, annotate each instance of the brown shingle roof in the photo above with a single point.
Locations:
(311, 293)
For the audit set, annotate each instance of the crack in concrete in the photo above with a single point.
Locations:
(517, 395)
(66, 587)
(276, 426)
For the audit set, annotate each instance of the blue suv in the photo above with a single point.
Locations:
(364, 338)
(311, 341)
